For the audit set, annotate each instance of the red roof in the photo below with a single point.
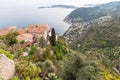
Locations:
(7, 30)
(38, 28)
(21, 31)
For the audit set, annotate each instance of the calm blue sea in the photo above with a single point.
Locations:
(22, 17)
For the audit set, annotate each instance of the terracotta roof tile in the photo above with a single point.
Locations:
(38, 28)
(7, 30)
(21, 31)
(25, 37)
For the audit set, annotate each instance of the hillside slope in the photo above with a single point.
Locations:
(94, 26)
(94, 35)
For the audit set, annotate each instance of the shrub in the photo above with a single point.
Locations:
(60, 50)
(47, 54)
(14, 78)
(10, 38)
(47, 67)
(78, 67)
(111, 53)
(9, 55)
(28, 71)
(109, 76)
(42, 42)
(32, 50)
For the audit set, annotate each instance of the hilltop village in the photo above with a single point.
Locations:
(26, 49)
(30, 34)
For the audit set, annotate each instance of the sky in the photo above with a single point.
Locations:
(37, 3)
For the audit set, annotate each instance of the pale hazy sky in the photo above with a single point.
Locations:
(37, 3)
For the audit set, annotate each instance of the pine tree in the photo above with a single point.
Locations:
(53, 37)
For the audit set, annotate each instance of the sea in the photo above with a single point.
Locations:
(23, 17)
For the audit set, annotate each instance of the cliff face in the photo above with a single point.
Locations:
(85, 22)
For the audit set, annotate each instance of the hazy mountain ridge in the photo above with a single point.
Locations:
(91, 5)
(60, 6)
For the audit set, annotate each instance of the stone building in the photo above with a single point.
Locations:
(5, 31)
(38, 30)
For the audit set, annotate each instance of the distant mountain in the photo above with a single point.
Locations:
(94, 27)
(90, 13)
(60, 6)
(91, 5)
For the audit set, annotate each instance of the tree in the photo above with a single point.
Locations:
(10, 38)
(61, 49)
(78, 67)
(53, 37)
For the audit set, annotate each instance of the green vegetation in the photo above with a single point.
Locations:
(111, 53)
(10, 38)
(42, 42)
(42, 61)
(9, 55)
(27, 71)
(94, 37)
(79, 67)
(52, 76)
(101, 36)
(55, 62)
(95, 58)
(47, 54)
(47, 67)
(108, 76)
(32, 50)
(53, 37)
(103, 40)
(61, 49)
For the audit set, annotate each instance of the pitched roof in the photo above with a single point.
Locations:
(3, 32)
(21, 31)
(7, 30)
(38, 28)
(24, 37)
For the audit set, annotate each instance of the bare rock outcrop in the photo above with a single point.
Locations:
(7, 67)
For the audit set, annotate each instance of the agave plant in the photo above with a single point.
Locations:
(52, 76)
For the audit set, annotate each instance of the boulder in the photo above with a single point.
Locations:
(7, 67)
